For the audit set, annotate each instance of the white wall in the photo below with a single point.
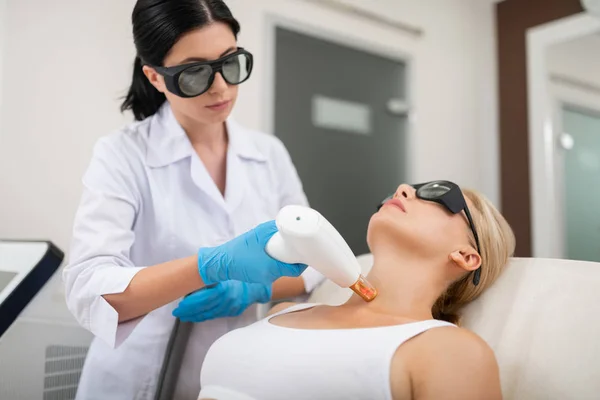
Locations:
(68, 61)
(574, 79)
(579, 58)
(2, 34)
(579, 62)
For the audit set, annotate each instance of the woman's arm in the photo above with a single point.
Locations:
(101, 278)
(287, 288)
(155, 286)
(447, 363)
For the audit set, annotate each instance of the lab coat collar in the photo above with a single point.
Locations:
(168, 142)
(240, 142)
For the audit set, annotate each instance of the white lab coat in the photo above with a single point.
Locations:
(148, 199)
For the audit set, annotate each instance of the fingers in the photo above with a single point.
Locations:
(265, 231)
(227, 305)
(216, 311)
(205, 294)
(257, 293)
(184, 311)
(201, 300)
(292, 270)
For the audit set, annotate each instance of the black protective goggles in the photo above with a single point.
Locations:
(450, 196)
(194, 79)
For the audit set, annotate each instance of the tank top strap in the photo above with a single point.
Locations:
(395, 336)
(413, 329)
(291, 309)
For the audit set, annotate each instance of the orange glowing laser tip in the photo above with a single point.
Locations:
(364, 289)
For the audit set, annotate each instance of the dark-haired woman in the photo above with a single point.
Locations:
(183, 177)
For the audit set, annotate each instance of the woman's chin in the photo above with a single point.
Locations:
(383, 227)
(385, 220)
(214, 117)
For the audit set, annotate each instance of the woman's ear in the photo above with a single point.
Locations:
(155, 78)
(467, 259)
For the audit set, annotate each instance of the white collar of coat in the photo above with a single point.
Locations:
(168, 143)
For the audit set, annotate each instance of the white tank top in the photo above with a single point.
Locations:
(268, 362)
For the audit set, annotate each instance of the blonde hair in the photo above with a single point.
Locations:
(497, 245)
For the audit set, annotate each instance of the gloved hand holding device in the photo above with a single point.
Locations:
(236, 274)
(244, 259)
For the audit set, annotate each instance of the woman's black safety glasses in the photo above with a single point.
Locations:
(450, 196)
(194, 79)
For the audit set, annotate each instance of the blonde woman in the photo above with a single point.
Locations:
(435, 248)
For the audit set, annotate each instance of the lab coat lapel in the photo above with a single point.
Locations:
(169, 144)
(204, 181)
(242, 150)
(235, 187)
(167, 141)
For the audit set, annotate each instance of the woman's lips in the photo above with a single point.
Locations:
(396, 203)
(219, 106)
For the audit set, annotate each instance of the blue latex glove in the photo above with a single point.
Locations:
(245, 259)
(226, 299)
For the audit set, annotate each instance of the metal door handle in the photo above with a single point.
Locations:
(397, 107)
(566, 141)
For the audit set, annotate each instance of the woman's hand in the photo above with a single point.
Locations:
(225, 299)
(245, 259)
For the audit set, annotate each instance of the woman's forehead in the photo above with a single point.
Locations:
(204, 44)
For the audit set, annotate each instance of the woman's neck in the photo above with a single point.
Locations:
(406, 285)
(210, 142)
(211, 137)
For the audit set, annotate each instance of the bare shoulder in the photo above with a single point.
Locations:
(450, 362)
(454, 340)
(280, 307)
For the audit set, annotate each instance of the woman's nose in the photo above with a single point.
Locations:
(219, 83)
(405, 191)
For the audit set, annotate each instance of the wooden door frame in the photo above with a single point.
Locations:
(513, 19)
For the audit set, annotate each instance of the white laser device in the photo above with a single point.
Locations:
(306, 237)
